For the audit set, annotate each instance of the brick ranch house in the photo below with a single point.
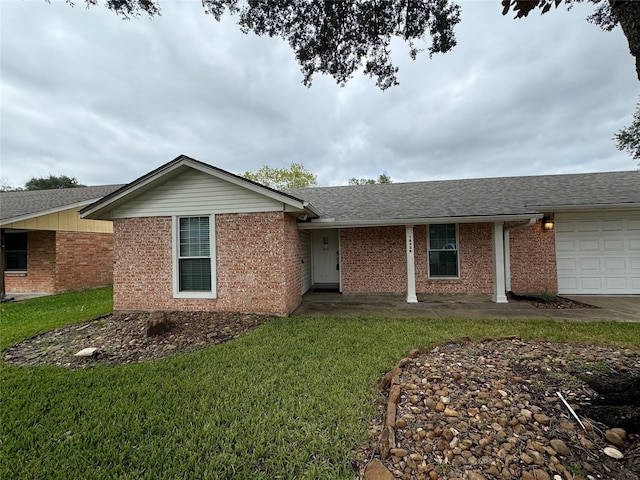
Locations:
(47, 248)
(190, 236)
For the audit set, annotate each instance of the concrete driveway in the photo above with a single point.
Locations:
(622, 309)
(624, 304)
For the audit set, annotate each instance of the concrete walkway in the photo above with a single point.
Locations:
(622, 309)
(18, 297)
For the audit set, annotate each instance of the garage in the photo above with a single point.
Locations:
(598, 253)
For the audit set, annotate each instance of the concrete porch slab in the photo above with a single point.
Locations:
(458, 306)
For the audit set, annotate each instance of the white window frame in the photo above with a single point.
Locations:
(444, 277)
(176, 264)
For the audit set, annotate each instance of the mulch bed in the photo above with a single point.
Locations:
(552, 303)
(121, 338)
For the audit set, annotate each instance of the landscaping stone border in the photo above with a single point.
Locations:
(489, 410)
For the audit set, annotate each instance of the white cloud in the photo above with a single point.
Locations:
(89, 95)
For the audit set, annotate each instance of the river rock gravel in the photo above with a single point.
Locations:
(490, 410)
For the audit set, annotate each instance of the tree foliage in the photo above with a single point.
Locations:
(335, 37)
(628, 138)
(382, 178)
(340, 37)
(6, 187)
(296, 176)
(51, 182)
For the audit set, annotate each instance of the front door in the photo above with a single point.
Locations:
(326, 257)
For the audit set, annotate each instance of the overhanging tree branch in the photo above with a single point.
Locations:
(340, 37)
(608, 14)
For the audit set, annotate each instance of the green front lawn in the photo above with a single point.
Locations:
(20, 320)
(292, 399)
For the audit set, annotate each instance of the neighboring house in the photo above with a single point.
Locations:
(190, 236)
(47, 248)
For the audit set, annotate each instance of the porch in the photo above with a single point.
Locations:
(473, 306)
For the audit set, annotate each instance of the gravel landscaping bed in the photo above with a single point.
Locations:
(122, 338)
(490, 410)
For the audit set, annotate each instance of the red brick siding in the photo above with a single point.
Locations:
(475, 257)
(373, 260)
(63, 261)
(41, 265)
(83, 260)
(252, 262)
(142, 263)
(255, 265)
(292, 264)
(533, 260)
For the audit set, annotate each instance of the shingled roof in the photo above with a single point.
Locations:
(485, 197)
(25, 204)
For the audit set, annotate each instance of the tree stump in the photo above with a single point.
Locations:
(156, 324)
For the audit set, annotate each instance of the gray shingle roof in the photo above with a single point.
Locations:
(473, 197)
(32, 203)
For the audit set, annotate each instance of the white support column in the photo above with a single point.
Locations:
(499, 290)
(507, 261)
(411, 268)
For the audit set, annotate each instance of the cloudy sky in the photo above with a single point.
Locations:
(88, 95)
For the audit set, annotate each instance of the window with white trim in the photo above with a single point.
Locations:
(442, 244)
(194, 258)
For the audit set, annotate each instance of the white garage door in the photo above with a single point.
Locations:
(598, 254)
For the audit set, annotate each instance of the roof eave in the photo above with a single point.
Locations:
(49, 211)
(327, 223)
(590, 207)
(312, 210)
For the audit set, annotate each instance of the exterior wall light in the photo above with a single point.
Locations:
(547, 223)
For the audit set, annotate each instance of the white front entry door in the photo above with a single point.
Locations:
(326, 257)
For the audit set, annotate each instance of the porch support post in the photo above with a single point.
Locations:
(499, 286)
(411, 268)
(3, 292)
(507, 261)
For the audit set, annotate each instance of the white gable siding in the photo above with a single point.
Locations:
(193, 192)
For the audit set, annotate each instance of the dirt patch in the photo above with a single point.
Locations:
(121, 338)
(618, 400)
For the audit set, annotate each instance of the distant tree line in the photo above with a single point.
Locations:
(382, 178)
(52, 182)
(297, 176)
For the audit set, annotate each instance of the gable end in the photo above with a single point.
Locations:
(192, 192)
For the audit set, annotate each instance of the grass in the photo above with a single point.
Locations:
(22, 320)
(567, 380)
(292, 399)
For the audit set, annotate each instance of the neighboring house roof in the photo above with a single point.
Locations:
(26, 204)
(484, 197)
(101, 208)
